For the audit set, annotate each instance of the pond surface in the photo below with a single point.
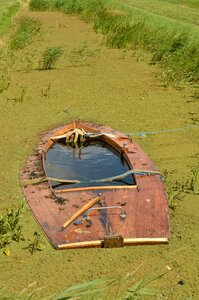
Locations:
(95, 160)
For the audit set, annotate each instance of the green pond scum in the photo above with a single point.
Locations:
(119, 88)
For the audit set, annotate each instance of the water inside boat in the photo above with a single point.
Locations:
(92, 160)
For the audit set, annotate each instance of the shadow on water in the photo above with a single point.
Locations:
(91, 160)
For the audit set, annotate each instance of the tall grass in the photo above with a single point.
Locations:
(9, 226)
(40, 5)
(26, 31)
(97, 288)
(174, 45)
(5, 17)
(49, 57)
(189, 3)
(170, 9)
(123, 287)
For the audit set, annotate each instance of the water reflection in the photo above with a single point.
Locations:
(88, 161)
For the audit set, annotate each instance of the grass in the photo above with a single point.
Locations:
(35, 245)
(5, 82)
(188, 3)
(40, 5)
(19, 98)
(189, 185)
(10, 230)
(177, 191)
(177, 10)
(50, 57)
(81, 55)
(174, 45)
(144, 288)
(96, 288)
(7, 10)
(26, 32)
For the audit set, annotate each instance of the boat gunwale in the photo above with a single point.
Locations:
(126, 242)
(138, 159)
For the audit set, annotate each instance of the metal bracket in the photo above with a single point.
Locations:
(122, 215)
(112, 241)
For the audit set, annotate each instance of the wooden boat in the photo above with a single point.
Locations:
(102, 214)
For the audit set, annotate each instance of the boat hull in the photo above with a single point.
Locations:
(144, 204)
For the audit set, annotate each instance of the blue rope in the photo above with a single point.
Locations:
(145, 133)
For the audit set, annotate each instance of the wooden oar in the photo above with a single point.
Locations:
(82, 210)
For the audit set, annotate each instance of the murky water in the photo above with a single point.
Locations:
(91, 162)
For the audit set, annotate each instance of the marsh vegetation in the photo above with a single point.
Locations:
(173, 44)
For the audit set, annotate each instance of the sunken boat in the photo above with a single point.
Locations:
(92, 186)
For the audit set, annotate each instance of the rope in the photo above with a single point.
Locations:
(142, 133)
(114, 178)
(145, 133)
(107, 179)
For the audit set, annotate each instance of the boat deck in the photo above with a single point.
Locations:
(144, 204)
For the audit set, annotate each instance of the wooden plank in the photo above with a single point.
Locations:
(92, 188)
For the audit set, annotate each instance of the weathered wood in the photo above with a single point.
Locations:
(82, 210)
(126, 242)
(96, 188)
(145, 203)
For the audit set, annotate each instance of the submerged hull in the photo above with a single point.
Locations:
(144, 203)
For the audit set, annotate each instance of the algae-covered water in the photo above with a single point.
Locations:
(106, 86)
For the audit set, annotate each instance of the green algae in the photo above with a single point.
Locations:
(118, 89)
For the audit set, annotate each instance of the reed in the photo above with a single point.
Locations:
(26, 32)
(39, 5)
(50, 57)
(6, 15)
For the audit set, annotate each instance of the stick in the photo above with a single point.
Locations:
(82, 210)
(121, 176)
(39, 180)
